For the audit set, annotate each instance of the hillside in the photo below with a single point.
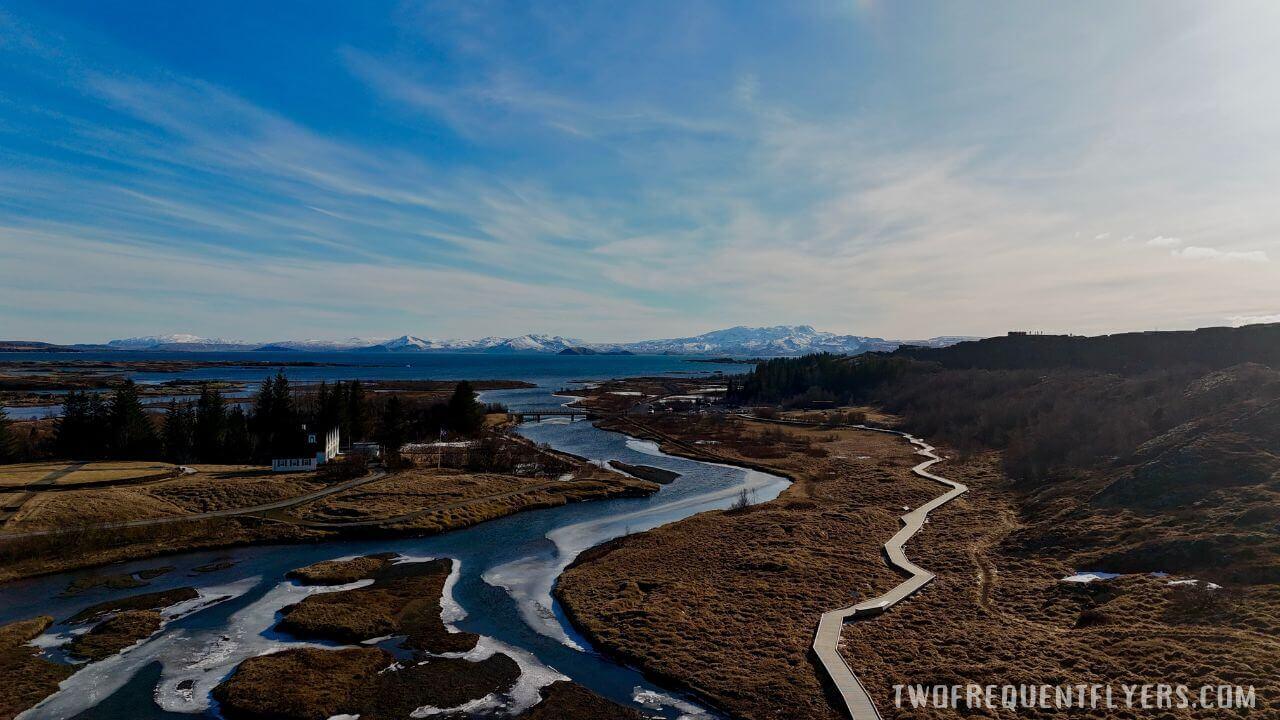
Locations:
(1143, 452)
(1214, 347)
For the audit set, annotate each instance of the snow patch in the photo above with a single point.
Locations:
(1090, 576)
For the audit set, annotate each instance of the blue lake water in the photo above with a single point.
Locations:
(504, 573)
(547, 371)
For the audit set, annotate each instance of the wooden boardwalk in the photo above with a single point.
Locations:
(857, 703)
(826, 641)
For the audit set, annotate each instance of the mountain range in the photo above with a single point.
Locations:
(741, 341)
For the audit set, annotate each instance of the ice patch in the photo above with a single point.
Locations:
(51, 640)
(648, 447)
(1090, 576)
(529, 581)
(658, 700)
(193, 661)
(627, 393)
(450, 610)
(1193, 581)
(486, 704)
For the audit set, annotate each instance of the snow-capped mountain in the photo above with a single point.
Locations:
(322, 345)
(521, 344)
(777, 340)
(535, 343)
(177, 341)
(740, 341)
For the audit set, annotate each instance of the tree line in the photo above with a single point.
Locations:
(211, 429)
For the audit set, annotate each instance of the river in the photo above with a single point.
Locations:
(501, 589)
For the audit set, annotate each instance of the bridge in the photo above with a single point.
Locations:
(536, 415)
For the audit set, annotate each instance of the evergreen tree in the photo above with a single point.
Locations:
(72, 426)
(178, 431)
(284, 419)
(210, 425)
(238, 441)
(357, 418)
(465, 415)
(333, 413)
(132, 433)
(263, 414)
(8, 447)
(393, 426)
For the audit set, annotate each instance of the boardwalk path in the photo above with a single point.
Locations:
(857, 703)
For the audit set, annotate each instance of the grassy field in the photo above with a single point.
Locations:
(201, 492)
(65, 472)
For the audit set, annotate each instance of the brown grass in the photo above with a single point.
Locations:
(115, 634)
(28, 473)
(403, 600)
(570, 701)
(426, 500)
(340, 572)
(28, 679)
(313, 684)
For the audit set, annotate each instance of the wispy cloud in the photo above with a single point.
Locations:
(595, 172)
(1194, 252)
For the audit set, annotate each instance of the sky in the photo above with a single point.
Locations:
(620, 171)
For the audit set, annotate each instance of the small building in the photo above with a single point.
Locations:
(307, 451)
(371, 450)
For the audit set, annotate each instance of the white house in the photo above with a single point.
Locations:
(311, 452)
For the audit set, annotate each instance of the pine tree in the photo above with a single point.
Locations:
(178, 430)
(72, 426)
(132, 433)
(210, 425)
(284, 420)
(238, 441)
(8, 447)
(357, 419)
(465, 415)
(263, 415)
(392, 426)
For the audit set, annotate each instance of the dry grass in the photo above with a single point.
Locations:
(426, 500)
(340, 572)
(115, 634)
(185, 495)
(403, 600)
(28, 679)
(106, 471)
(570, 701)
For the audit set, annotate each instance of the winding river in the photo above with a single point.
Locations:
(504, 571)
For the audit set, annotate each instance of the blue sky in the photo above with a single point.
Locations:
(617, 171)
